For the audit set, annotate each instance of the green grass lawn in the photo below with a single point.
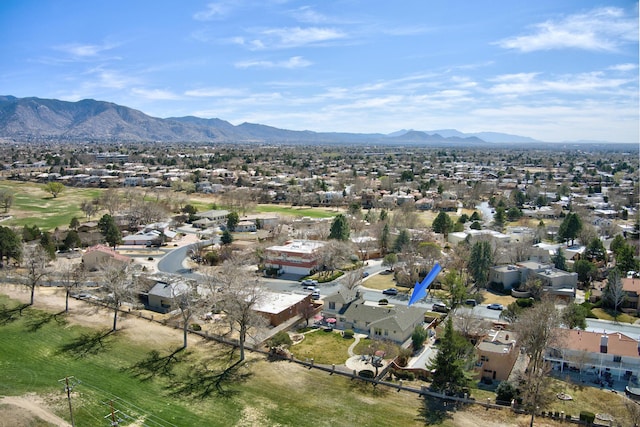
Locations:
(296, 211)
(33, 206)
(37, 354)
(323, 347)
(607, 315)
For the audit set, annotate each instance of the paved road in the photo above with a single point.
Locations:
(173, 262)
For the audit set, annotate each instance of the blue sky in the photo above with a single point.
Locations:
(551, 70)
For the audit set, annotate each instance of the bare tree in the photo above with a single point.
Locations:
(186, 298)
(6, 199)
(117, 282)
(334, 254)
(520, 250)
(35, 261)
(613, 293)
(89, 208)
(240, 293)
(537, 330)
(111, 200)
(469, 325)
(71, 277)
(353, 278)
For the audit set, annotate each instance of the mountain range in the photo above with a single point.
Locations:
(37, 120)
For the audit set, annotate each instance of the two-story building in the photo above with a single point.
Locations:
(555, 282)
(598, 353)
(497, 353)
(294, 257)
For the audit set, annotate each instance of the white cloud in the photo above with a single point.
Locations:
(293, 62)
(308, 15)
(623, 67)
(213, 11)
(215, 92)
(278, 38)
(155, 94)
(529, 83)
(80, 50)
(603, 29)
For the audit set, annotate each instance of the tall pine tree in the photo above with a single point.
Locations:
(450, 365)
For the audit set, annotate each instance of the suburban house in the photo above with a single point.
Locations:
(631, 288)
(615, 354)
(477, 235)
(555, 282)
(211, 218)
(162, 296)
(497, 354)
(388, 322)
(245, 226)
(294, 257)
(280, 307)
(96, 256)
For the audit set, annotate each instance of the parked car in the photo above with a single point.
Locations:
(390, 291)
(471, 302)
(311, 288)
(309, 282)
(440, 308)
(315, 295)
(495, 306)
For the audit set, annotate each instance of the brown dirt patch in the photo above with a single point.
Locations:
(27, 410)
(86, 314)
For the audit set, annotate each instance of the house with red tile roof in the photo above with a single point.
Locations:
(97, 255)
(598, 353)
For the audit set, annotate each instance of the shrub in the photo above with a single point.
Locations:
(587, 416)
(280, 339)
(505, 392)
(196, 327)
(524, 302)
(404, 375)
(348, 333)
(366, 373)
(403, 357)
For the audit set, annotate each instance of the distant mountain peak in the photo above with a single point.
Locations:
(39, 119)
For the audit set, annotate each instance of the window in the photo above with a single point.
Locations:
(377, 331)
(484, 358)
(617, 358)
(332, 305)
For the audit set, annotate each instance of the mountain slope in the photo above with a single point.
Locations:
(36, 119)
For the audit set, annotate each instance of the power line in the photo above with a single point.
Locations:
(69, 383)
(130, 408)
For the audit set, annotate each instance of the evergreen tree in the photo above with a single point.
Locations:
(450, 374)
(226, 238)
(442, 224)
(10, 245)
(499, 217)
(570, 227)
(109, 229)
(596, 251)
(403, 239)
(480, 261)
(559, 260)
(340, 228)
(232, 221)
(384, 238)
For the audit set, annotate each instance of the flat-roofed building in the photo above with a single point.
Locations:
(294, 257)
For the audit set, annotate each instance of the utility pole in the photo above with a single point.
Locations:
(69, 383)
(115, 421)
